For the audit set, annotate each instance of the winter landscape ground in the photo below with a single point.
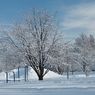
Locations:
(53, 84)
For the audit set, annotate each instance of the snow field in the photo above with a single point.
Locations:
(53, 84)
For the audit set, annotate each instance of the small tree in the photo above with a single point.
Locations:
(38, 40)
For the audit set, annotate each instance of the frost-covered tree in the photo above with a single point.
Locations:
(71, 59)
(86, 48)
(37, 39)
(9, 56)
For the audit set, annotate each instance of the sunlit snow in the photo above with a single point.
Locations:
(53, 84)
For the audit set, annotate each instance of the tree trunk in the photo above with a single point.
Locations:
(67, 72)
(40, 77)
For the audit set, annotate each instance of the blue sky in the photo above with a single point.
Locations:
(74, 16)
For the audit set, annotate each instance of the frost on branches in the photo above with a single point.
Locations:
(37, 40)
(85, 47)
(80, 55)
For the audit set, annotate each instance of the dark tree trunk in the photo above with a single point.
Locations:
(40, 77)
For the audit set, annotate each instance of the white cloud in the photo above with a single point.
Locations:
(80, 16)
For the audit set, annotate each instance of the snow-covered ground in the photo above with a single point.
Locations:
(53, 84)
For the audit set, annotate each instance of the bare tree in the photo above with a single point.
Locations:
(38, 39)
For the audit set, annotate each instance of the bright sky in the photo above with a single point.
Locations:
(74, 16)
